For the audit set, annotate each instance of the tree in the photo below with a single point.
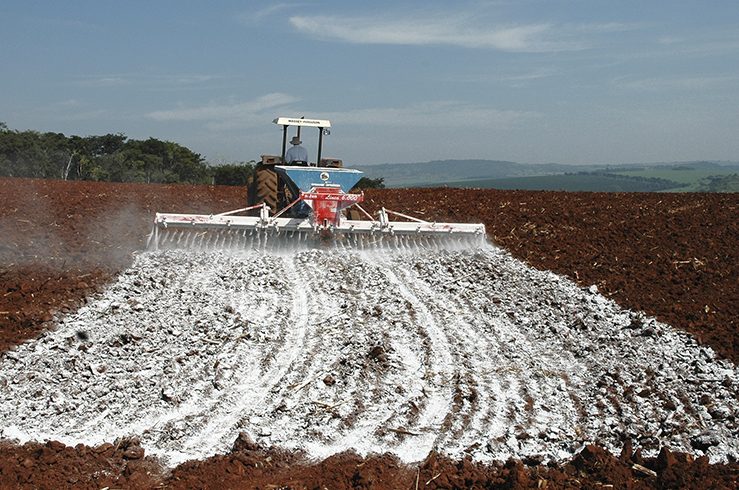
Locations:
(367, 183)
(185, 164)
(233, 173)
(55, 147)
(108, 157)
(25, 155)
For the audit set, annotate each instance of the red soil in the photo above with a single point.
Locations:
(673, 256)
(247, 466)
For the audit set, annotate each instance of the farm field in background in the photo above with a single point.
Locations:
(694, 176)
(585, 182)
(682, 177)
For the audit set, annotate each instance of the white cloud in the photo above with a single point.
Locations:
(256, 16)
(512, 79)
(223, 115)
(685, 83)
(68, 110)
(700, 43)
(434, 114)
(669, 40)
(608, 27)
(118, 80)
(68, 23)
(457, 30)
(104, 81)
(438, 114)
(190, 79)
(68, 103)
(520, 79)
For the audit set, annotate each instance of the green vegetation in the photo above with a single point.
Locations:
(692, 177)
(111, 157)
(367, 183)
(715, 183)
(233, 173)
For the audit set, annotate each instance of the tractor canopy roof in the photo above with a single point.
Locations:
(301, 121)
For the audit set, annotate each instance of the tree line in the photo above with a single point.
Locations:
(111, 157)
(116, 158)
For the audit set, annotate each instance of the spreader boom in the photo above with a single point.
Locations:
(173, 230)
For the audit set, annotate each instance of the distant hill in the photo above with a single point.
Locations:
(441, 172)
(630, 177)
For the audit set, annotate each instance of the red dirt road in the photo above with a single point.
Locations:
(673, 256)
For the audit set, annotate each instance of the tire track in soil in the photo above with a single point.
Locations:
(518, 404)
(457, 331)
(302, 371)
(380, 398)
(551, 369)
(431, 419)
(206, 422)
(471, 426)
(301, 396)
(538, 412)
(249, 390)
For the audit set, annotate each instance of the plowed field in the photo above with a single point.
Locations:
(442, 357)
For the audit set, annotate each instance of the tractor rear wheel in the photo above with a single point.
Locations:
(265, 187)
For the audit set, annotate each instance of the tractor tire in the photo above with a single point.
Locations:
(265, 187)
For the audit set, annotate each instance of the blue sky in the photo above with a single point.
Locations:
(568, 81)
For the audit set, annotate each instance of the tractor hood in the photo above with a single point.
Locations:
(307, 177)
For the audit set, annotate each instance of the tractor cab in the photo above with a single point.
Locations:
(322, 125)
(279, 183)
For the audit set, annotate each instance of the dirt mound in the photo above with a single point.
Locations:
(120, 464)
(672, 255)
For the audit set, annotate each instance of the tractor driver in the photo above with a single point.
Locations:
(296, 153)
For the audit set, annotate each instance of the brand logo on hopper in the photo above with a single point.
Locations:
(324, 176)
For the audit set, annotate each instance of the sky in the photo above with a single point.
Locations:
(531, 81)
